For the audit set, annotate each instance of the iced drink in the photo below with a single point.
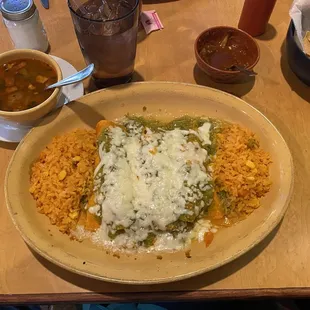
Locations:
(107, 34)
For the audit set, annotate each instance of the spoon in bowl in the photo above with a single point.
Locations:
(75, 78)
(242, 69)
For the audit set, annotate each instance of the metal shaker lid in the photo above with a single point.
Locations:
(17, 9)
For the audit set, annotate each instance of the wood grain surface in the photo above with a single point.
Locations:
(277, 267)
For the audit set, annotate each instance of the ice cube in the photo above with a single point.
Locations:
(96, 10)
(111, 28)
(95, 29)
(106, 9)
(103, 13)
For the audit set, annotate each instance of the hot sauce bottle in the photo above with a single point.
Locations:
(255, 16)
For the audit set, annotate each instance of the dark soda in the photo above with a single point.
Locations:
(107, 35)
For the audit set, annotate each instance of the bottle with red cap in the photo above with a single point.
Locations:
(255, 16)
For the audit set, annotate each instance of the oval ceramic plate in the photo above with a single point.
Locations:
(161, 100)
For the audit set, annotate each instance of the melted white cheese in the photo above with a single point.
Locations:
(94, 210)
(148, 179)
(204, 133)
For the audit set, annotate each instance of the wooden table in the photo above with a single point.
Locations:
(279, 266)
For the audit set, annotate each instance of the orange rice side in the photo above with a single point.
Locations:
(62, 177)
(241, 168)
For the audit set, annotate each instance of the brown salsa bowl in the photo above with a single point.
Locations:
(242, 47)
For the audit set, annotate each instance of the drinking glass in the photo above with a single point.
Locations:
(107, 35)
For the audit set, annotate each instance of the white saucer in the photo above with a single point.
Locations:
(14, 132)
